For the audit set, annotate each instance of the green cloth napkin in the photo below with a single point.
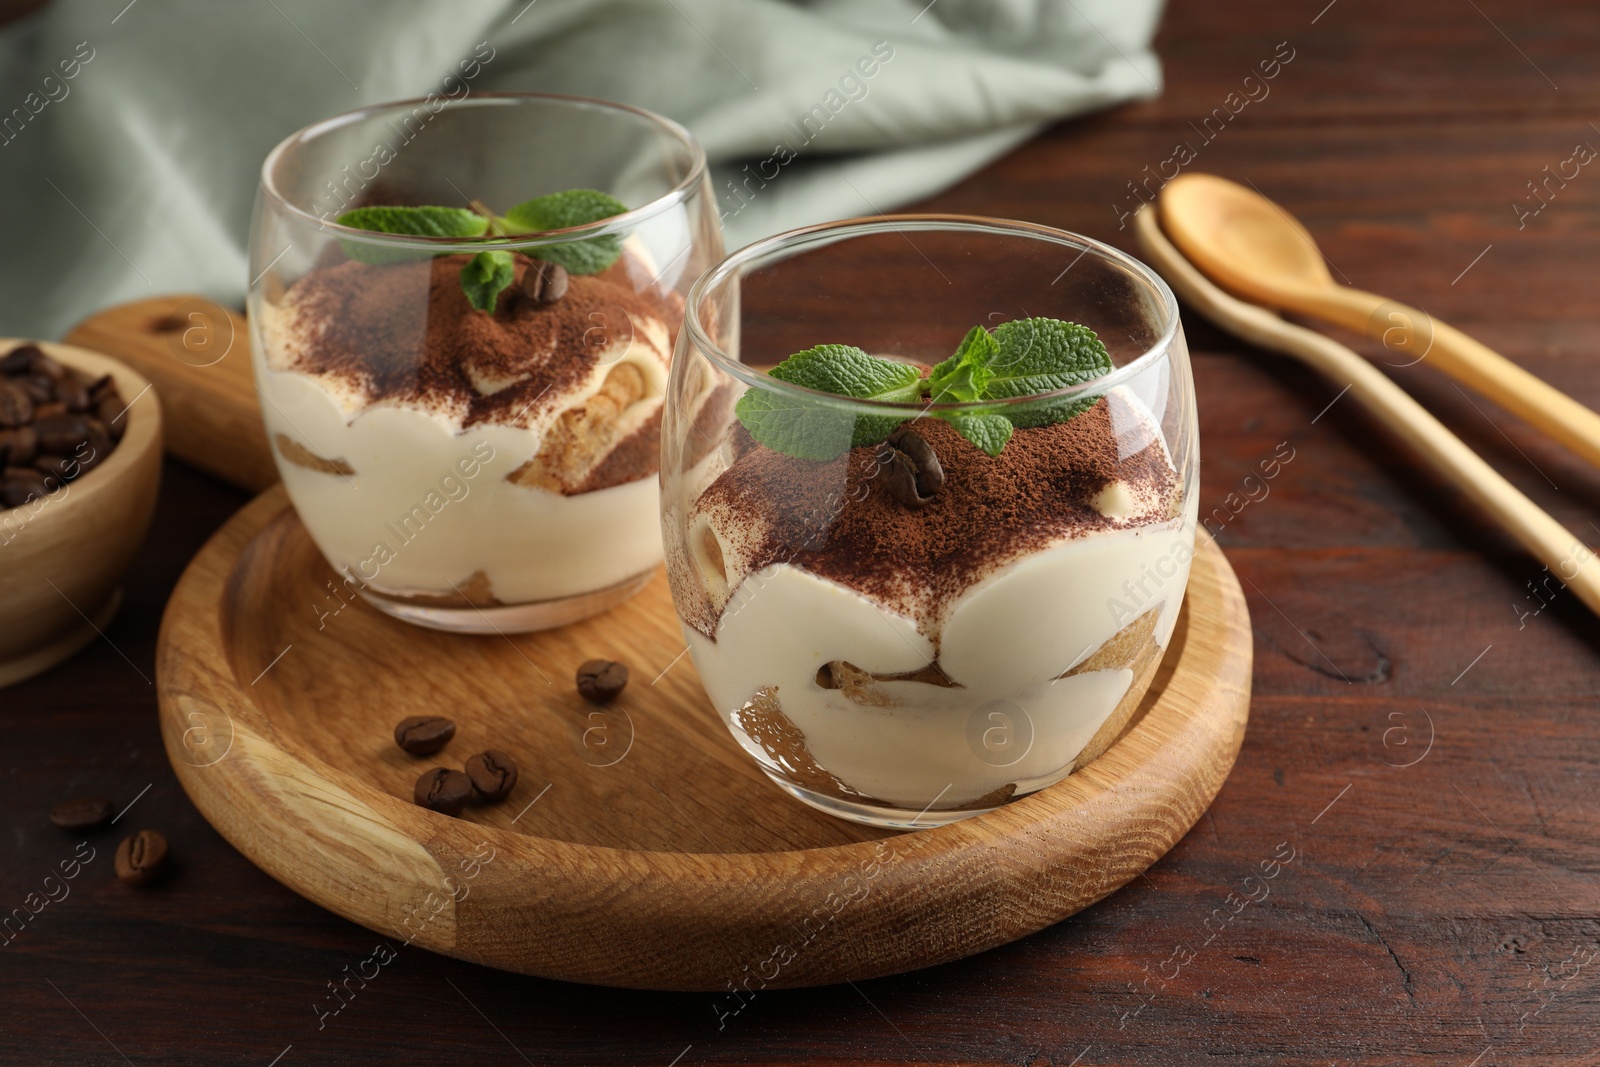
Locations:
(135, 176)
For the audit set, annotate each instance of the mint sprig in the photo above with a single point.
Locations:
(1019, 358)
(489, 273)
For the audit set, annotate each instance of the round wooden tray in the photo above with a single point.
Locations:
(641, 847)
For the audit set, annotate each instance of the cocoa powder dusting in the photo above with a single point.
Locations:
(405, 332)
(839, 520)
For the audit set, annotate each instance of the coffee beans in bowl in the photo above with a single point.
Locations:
(56, 424)
(80, 472)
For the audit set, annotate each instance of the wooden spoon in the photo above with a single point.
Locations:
(1256, 249)
(1568, 558)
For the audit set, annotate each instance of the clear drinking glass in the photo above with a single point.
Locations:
(463, 469)
(905, 665)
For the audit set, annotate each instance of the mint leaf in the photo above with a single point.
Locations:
(964, 376)
(484, 277)
(558, 211)
(810, 427)
(1039, 355)
(412, 221)
(796, 426)
(988, 432)
(845, 370)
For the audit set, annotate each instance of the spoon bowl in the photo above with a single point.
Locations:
(1241, 239)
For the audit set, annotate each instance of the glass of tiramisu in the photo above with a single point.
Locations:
(928, 499)
(462, 315)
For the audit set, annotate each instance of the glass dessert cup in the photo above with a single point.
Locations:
(901, 661)
(467, 467)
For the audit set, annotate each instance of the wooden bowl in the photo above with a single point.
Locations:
(61, 558)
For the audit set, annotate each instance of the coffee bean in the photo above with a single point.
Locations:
(443, 790)
(16, 406)
(545, 282)
(39, 388)
(910, 468)
(18, 446)
(24, 484)
(72, 392)
(423, 735)
(50, 409)
(43, 364)
(63, 467)
(102, 387)
(86, 814)
(141, 858)
(19, 360)
(99, 446)
(600, 680)
(493, 775)
(61, 434)
(112, 412)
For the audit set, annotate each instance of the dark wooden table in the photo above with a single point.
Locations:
(1423, 735)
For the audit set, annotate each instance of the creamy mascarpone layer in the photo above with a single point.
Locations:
(409, 519)
(1008, 639)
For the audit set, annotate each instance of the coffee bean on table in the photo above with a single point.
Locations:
(493, 775)
(443, 790)
(142, 857)
(423, 735)
(600, 680)
(545, 282)
(87, 813)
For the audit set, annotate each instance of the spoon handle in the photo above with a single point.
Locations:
(1414, 335)
(1572, 561)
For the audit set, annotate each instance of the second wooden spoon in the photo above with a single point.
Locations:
(1257, 250)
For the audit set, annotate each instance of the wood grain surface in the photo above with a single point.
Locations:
(278, 705)
(1435, 913)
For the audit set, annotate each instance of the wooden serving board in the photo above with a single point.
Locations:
(641, 847)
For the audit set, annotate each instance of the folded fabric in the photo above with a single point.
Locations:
(131, 137)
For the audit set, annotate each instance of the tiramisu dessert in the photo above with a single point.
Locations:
(930, 613)
(474, 432)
